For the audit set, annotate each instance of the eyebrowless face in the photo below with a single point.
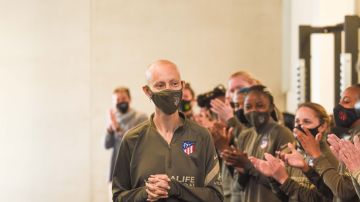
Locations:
(163, 75)
(256, 102)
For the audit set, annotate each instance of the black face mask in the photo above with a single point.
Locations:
(257, 119)
(185, 105)
(241, 116)
(313, 131)
(167, 100)
(344, 117)
(123, 107)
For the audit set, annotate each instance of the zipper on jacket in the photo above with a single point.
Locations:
(169, 158)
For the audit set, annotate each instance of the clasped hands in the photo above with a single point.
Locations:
(157, 187)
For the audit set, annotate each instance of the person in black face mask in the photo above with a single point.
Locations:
(231, 113)
(187, 101)
(311, 120)
(121, 118)
(347, 112)
(166, 157)
(264, 136)
(331, 175)
(346, 115)
(258, 106)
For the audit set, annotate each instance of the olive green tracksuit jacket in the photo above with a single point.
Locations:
(254, 186)
(190, 160)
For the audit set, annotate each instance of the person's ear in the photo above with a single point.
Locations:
(147, 90)
(323, 127)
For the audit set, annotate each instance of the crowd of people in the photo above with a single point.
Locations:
(236, 148)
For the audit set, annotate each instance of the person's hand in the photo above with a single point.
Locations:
(350, 154)
(157, 187)
(279, 172)
(114, 125)
(334, 142)
(310, 144)
(294, 158)
(272, 167)
(222, 109)
(264, 167)
(221, 136)
(235, 158)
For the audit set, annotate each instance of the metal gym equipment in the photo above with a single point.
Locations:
(345, 63)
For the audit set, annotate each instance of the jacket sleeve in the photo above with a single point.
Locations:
(275, 188)
(340, 185)
(291, 189)
(301, 192)
(318, 181)
(356, 176)
(251, 172)
(299, 188)
(356, 181)
(109, 139)
(356, 186)
(212, 190)
(121, 185)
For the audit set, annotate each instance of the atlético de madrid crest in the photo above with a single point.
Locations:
(188, 147)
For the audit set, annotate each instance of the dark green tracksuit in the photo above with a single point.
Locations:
(255, 187)
(143, 152)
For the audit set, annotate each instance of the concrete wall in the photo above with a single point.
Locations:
(45, 101)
